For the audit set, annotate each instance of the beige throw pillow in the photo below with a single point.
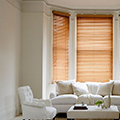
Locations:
(105, 88)
(64, 87)
(92, 87)
(80, 88)
(116, 88)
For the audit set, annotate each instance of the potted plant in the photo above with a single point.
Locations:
(99, 103)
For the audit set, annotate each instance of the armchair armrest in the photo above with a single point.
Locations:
(47, 102)
(35, 104)
(53, 95)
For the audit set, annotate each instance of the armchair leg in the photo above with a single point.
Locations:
(54, 118)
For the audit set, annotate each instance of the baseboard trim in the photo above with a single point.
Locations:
(8, 113)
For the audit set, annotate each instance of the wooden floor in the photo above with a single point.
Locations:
(58, 117)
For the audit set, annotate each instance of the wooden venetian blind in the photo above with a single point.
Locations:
(60, 46)
(94, 48)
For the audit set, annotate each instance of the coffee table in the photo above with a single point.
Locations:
(93, 113)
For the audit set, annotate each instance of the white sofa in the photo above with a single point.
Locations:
(95, 91)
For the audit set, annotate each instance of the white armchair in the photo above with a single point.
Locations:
(35, 108)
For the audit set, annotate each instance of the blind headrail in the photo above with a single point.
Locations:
(94, 15)
(61, 13)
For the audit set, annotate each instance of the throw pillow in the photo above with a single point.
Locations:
(116, 88)
(64, 87)
(105, 88)
(80, 88)
(92, 87)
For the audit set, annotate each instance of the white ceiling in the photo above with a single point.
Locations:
(84, 4)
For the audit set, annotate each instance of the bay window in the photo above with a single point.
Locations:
(94, 47)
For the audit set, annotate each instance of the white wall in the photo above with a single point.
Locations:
(35, 47)
(32, 33)
(10, 57)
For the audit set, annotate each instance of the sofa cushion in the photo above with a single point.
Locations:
(89, 99)
(116, 88)
(80, 88)
(105, 88)
(115, 100)
(92, 87)
(64, 87)
(64, 99)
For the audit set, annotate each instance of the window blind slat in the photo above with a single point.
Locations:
(60, 46)
(94, 48)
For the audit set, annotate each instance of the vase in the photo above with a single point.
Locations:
(109, 101)
(99, 106)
